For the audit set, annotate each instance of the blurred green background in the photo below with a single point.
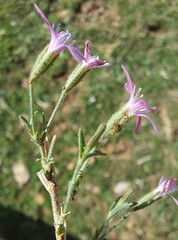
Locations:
(143, 36)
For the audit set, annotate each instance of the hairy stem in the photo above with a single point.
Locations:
(72, 185)
(113, 227)
(31, 103)
(58, 104)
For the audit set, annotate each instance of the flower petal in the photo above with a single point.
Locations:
(162, 179)
(87, 53)
(175, 200)
(42, 15)
(170, 185)
(128, 85)
(151, 121)
(138, 124)
(75, 52)
(147, 107)
(54, 33)
(98, 64)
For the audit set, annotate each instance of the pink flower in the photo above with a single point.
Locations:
(136, 106)
(165, 187)
(92, 61)
(59, 40)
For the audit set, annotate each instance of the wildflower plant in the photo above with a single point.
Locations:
(123, 207)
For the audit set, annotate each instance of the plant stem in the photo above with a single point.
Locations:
(50, 184)
(114, 226)
(93, 142)
(41, 151)
(72, 185)
(31, 103)
(58, 104)
(52, 188)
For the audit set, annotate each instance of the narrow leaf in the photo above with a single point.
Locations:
(125, 197)
(26, 123)
(96, 153)
(43, 136)
(82, 169)
(114, 203)
(81, 142)
(43, 122)
(118, 209)
(95, 138)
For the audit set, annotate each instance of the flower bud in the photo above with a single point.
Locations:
(75, 77)
(42, 63)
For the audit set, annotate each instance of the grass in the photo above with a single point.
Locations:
(142, 35)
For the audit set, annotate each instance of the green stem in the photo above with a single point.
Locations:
(72, 185)
(93, 142)
(31, 102)
(114, 226)
(41, 151)
(58, 104)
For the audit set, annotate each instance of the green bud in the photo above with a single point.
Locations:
(76, 76)
(116, 123)
(42, 63)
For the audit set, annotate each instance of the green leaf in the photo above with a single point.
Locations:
(95, 138)
(118, 209)
(82, 169)
(125, 197)
(26, 124)
(43, 122)
(95, 153)
(81, 142)
(43, 136)
(115, 203)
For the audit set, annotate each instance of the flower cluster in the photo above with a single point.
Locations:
(61, 41)
(136, 106)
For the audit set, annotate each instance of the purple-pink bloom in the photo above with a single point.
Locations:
(165, 187)
(92, 61)
(59, 40)
(136, 106)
